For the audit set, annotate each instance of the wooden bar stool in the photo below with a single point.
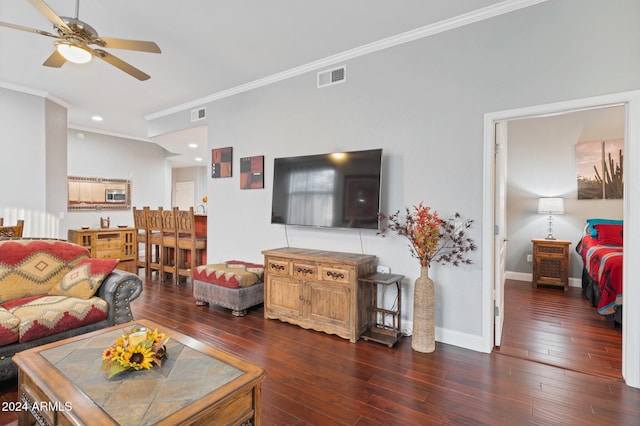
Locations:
(169, 244)
(140, 219)
(154, 255)
(189, 246)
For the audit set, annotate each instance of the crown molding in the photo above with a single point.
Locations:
(107, 133)
(488, 12)
(35, 92)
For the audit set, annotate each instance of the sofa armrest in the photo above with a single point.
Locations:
(119, 289)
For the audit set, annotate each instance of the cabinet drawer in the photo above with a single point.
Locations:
(108, 241)
(34, 396)
(335, 274)
(305, 270)
(550, 250)
(108, 245)
(109, 254)
(278, 267)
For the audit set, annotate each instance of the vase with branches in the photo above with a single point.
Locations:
(431, 240)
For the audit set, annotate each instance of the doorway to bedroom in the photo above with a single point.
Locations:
(549, 325)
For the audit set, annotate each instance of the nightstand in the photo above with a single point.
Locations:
(551, 263)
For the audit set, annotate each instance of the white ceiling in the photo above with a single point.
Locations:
(208, 46)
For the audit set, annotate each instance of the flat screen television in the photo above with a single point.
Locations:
(335, 190)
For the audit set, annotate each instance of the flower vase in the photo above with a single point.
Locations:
(423, 338)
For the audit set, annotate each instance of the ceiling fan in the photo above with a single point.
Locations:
(75, 37)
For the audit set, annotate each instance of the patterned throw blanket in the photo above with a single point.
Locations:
(29, 271)
(604, 265)
(232, 274)
(33, 267)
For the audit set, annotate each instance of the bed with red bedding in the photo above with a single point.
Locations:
(601, 253)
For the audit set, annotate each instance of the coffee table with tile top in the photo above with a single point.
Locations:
(62, 383)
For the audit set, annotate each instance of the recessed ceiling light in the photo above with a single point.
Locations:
(193, 145)
(198, 158)
(97, 118)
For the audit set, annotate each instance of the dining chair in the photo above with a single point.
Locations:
(12, 231)
(169, 244)
(154, 255)
(140, 222)
(189, 245)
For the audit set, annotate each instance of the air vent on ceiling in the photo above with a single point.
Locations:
(333, 76)
(198, 114)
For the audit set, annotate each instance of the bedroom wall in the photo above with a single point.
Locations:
(541, 161)
(423, 103)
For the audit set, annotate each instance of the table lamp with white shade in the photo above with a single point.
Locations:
(550, 206)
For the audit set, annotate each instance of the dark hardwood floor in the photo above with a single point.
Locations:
(561, 329)
(318, 379)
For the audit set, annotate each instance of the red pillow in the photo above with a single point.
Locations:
(610, 234)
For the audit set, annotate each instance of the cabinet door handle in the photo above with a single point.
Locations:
(278, 268)
(335, 275)
(305, 271)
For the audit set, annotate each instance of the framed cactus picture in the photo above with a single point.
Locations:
(600, 169)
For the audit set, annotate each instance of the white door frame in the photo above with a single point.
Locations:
(631, 274)
(500, 233)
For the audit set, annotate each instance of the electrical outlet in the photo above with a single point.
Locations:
(529, 258)
(383, 269)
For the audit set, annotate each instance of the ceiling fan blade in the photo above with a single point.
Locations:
(48, 13)
(141, 46)
(27, 29)
(55, 60)
(120, 64)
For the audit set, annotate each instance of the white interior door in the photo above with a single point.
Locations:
(185, 194)
(501, 226)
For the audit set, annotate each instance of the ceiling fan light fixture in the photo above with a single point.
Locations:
(73, 53)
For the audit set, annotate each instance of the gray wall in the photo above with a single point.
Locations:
(423, 103)
(541, 161)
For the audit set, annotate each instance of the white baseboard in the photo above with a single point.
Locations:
(456, 338)
(450, 337)
(518, 276)
(527, 276)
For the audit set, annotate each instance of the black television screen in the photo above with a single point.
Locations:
(336, 190)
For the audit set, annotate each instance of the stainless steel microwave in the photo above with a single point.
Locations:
(115, 196)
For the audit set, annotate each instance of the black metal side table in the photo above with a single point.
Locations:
(380, 330)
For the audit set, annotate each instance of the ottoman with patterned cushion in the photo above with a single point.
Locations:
(234, 285)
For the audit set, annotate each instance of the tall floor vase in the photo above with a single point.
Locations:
(424, 329)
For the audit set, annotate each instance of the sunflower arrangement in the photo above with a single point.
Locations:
(138, 349)
(432, 239)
